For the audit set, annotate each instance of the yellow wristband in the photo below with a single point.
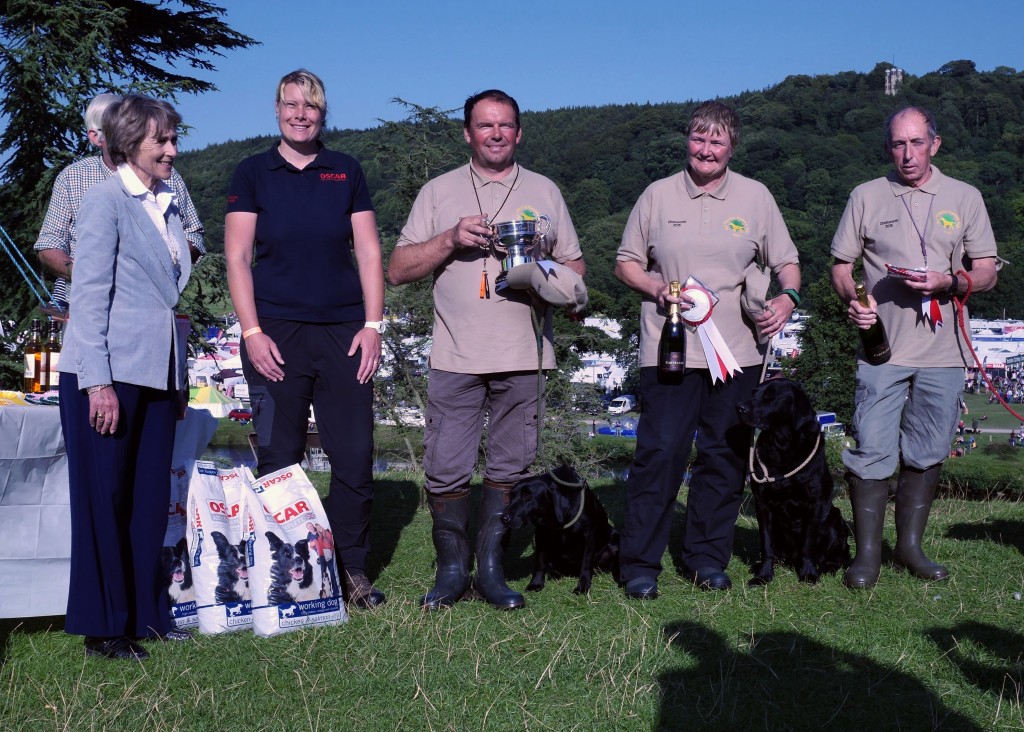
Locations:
(251, 331)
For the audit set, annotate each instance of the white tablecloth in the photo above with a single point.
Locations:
(35, 518)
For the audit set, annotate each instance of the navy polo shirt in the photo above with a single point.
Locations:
(303, 262)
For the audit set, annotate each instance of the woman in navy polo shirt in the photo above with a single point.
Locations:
(310, 319)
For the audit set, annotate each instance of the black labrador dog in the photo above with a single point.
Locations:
(573, 536)
(792, 486)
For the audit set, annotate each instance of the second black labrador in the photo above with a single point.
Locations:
(798, 524)
(573, 536)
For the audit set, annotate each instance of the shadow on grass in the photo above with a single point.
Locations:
(989, 657)
(43, 624)
(394, 505)
(1000, 531)
(787, 681)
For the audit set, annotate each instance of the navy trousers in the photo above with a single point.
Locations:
(120, 488)
(670, 416)
(319, 371)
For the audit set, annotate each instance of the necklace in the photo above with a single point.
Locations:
(485, 287)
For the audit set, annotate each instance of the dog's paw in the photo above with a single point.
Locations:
(535, 587)
(808, 573)
(582, 589)
(765, 575)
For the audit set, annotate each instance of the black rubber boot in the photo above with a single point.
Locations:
(490, 549)
(914, 495)
(868, 498)
(450, 533)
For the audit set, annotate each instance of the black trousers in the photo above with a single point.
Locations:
(119, 489)
(319, 371)
(670, 416)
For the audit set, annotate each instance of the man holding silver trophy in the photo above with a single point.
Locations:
(498, 241)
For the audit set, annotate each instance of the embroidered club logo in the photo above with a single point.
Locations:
(736, 226)
(528, 213)
(948, 220)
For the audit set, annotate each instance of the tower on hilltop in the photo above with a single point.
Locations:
(893, 81)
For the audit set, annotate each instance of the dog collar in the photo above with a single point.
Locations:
(767, 479)
(583, 495)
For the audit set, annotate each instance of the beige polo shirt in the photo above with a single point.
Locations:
(883, 223)
(473, 335)
(678, 230)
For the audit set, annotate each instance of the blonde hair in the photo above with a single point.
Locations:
(312, 90)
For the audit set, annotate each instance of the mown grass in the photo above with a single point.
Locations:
(906, 655)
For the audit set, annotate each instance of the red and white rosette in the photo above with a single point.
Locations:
(721, 362)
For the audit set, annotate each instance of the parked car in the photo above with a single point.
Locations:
(242, 416)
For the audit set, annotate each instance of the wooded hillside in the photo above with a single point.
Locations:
(809, 139)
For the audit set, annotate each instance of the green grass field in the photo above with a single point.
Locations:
(906, 655)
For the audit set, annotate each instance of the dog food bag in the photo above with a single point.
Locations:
(292, 575)
(220, 545)
(176, 572)
(191, 436)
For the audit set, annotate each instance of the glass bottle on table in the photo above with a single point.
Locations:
(52, 355)
(873, 338)
(672, 346)
(34, 376)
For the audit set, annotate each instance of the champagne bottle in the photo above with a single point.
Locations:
(672, 347)
(34, 377)
(874, 339)
(52, 351)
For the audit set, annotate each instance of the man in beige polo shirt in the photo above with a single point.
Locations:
(712, 224)
(483, 360)
(906, 410)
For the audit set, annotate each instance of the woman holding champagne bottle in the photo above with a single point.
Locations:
(698, 231)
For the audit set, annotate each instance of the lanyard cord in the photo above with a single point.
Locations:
(479, 206)
(928, 219)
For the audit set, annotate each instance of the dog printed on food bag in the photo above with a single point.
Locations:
(174, 560)
(232, 572)
(291, 574)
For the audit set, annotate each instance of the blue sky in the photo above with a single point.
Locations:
(561, 54)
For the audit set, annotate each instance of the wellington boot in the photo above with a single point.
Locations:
(490, 549)
(868, 498)
(914, 496)
(450, 533)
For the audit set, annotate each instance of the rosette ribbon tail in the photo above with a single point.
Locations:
(930, 310)
(721, 362)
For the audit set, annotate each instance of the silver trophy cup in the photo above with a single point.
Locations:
(519, 242)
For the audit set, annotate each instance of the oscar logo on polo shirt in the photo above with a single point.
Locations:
(333, 176)
(736, 225)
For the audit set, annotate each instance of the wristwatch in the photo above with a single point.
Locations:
(954, 285)
(378, 325)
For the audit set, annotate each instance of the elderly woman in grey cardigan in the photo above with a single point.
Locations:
(123, 370)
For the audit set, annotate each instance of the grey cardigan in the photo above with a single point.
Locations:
(123, 294)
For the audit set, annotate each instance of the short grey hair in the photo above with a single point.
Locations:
(94, 113)
(929, 121)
